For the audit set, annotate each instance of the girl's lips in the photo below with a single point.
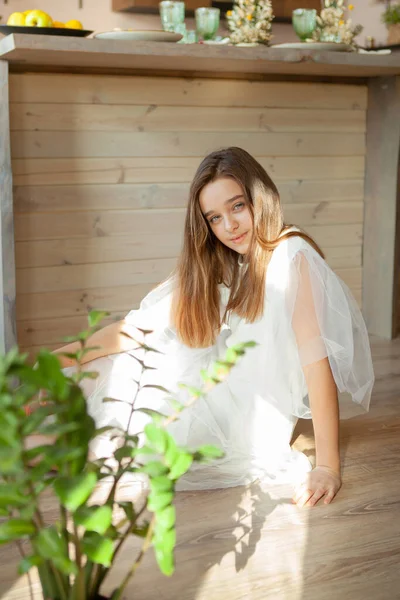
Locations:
(239, 239)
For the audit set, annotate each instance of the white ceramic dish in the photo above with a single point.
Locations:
(328, 46)
(139, 35)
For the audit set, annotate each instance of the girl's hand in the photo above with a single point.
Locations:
(320, 482)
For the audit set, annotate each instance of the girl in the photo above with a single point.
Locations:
(243, 275)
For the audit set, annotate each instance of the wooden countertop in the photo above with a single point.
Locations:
(49, 53)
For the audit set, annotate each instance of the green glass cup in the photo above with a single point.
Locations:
(304, 21)
(207, 22)
(172, 14)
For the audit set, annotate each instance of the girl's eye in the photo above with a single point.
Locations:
(238, 206)
(213, 220)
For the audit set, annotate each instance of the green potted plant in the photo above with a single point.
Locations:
(74, 555)
(391, 18)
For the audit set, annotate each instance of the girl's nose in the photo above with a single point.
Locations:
(231, 224)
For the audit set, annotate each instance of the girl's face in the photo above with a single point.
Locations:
(223, 204)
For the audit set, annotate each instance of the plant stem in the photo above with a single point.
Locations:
(111, 495)
(80, 580)
(57, 576)
(62, 588)
(22, 553)
(122, 540)
(129, 530)
(131, 572)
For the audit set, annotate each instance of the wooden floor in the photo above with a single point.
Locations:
(254, 544)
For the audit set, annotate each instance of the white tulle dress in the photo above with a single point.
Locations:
(309, 314)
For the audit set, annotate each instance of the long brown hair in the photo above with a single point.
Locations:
(205, 262)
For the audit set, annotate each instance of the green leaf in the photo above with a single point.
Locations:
(96, 316)
(49, 544)
(35, 419)
(73, 355)
(89, 375)
(165, 561)
(94, 518)
(141, 530)
(165, 539)
(66, 455)
(15, 529)
(28, 562)
(143, 450)
(161, 484)
(154, 468)
(28, 512)
(59, 428)
(172, 452)
(154, 414)
(49, 369)
(181, 465)
(11, 495)
(123, 452)
(156, 387)
(88, 349)
(211, 452)
(166, 518)
(129, 510)
(158, 501)
(177, 406)
(74, 491)
(144, 331)
(6, 400)
(97, 548)
(10, 460)
(33, 453)
(249, 344)
(193, 391)
(116, 400)
(231, 355)
(71, 338)
(105, 429)
(156, 437)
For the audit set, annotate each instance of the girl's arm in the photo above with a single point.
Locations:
(324, 480)
(322, 393)
(110, 339)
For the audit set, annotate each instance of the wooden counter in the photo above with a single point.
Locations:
(106, 136)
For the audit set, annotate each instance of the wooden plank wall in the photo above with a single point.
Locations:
(102, 167)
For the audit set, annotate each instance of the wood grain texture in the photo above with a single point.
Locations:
(7, 257)
(59, 198)
(79, 277)
(156, 117)
(37, 88)
(88, 171)
(75, 251)
(252, 543)
(70, 303)
(94, 144)
(107, 55)
(382, 201)
(155, 222)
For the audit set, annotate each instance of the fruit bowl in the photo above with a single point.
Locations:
(8, 29)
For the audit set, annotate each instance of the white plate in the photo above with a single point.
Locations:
(140, 35)
(331, 46)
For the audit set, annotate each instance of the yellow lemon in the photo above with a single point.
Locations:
(38, 18)
(16, 18)
(74, 24)
(58, 24)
